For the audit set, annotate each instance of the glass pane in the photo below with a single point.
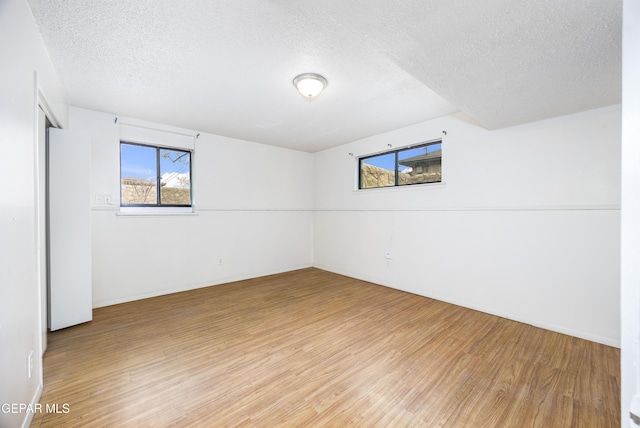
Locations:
(378, 171)
(175, 177)
(138, 176)
(420, 165)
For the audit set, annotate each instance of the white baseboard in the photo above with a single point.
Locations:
(28, 416)
(514, 317)
(218, 281)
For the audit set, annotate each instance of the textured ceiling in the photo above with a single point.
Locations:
(226, 67)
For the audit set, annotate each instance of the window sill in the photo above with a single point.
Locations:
(156, 211)
(414, 187)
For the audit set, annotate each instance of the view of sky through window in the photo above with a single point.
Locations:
(388, 161)
(140, 162)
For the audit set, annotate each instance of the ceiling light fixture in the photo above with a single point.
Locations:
(310, 84)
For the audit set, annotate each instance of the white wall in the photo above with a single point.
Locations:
(253, 206)
(630, 222)
(526, 225)
(22, 54)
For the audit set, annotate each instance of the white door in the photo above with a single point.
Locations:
(69, 229)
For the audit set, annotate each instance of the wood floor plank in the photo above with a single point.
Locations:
(312, 348)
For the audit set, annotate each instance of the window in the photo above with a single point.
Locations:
(153, 176)
(412, 165)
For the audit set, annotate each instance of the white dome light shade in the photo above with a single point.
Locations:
(310, 84)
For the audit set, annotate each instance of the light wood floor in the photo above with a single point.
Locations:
(310, 348)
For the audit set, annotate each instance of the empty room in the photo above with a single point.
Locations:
(317, 214)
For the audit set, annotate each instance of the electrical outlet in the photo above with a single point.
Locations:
(29, 365)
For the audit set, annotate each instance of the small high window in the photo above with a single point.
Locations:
(152, 176)
(412, 165)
